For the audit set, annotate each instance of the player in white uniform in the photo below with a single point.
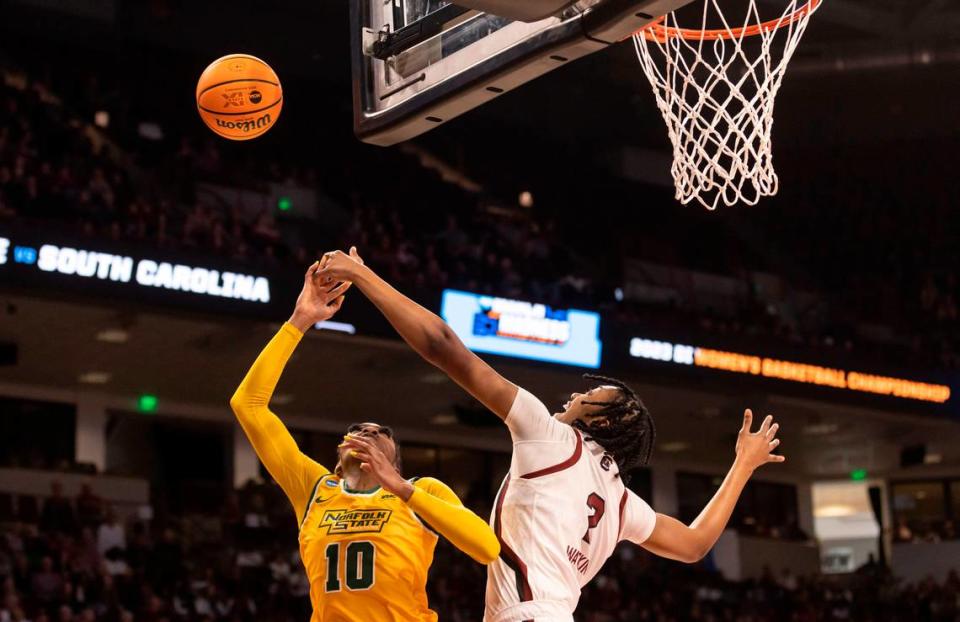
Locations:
(563, 506)
(559, 514)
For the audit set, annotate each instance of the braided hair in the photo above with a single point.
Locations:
(623, 427)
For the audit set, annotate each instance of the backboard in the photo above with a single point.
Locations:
(419, 63)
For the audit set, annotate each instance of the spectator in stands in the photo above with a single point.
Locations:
(111, 534)
(166, 561)
(89, 507)
(21, 573)
(231, 517)
(903, 533)
(47, 583)
(6, 561)
(265, 229)
(57, 515)
(6, 210)
(949, 531)
(114, 564)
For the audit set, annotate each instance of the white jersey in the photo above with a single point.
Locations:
(559, 514)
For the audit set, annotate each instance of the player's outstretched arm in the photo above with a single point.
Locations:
(674, 540)
(442, 510)
(432, 501)
(425, 332)
(295, 472)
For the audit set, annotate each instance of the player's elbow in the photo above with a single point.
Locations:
(694, 556)
(238, 402)
(489, 551)
(695, 552)
(439, 343)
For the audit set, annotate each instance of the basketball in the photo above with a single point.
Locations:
(239, 97)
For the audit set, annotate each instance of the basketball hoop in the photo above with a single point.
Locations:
(716, 95)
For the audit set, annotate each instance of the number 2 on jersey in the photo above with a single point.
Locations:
(359, 566)
(596, 503)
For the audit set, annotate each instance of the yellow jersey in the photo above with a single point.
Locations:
(366, 553)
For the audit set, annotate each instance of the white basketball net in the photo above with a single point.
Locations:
(716, 92)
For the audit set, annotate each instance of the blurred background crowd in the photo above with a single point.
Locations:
(894, 291)
(75, 560)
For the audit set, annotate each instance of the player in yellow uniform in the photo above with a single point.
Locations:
(367, 535)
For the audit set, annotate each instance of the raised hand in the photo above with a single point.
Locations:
(317, 302)
(337, 266)
(755, 449)
(374, 462)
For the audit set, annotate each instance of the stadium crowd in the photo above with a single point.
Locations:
(925, 531)
(59, 170)
(77, 561)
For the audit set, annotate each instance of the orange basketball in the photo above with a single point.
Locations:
(239, 97)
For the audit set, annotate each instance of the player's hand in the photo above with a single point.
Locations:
(375, 462)
(755, 449)
(337, 266)
(317, 302)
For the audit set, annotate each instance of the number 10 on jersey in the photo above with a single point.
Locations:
(358, 565)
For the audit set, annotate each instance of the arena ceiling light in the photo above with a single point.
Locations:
(94, 377)
(820, 429)
(150, 131)
(836, 510)
(113, 335)
(434, 378)
(337, 327)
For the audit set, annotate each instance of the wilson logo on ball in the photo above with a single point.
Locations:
(246, 125)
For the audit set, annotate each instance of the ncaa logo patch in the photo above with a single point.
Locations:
(331, 483)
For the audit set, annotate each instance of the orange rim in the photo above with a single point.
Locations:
(656, 31)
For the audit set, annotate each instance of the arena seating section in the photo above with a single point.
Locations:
(62, 564)
(423, 232)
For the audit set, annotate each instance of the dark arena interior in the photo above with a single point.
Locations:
(128, 491)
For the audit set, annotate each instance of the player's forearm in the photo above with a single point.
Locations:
(461, 527)
(423, 330)
(271, 440)
(712, 521)
(258, 385)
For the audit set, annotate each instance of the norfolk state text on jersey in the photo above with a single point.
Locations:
(355, 521)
